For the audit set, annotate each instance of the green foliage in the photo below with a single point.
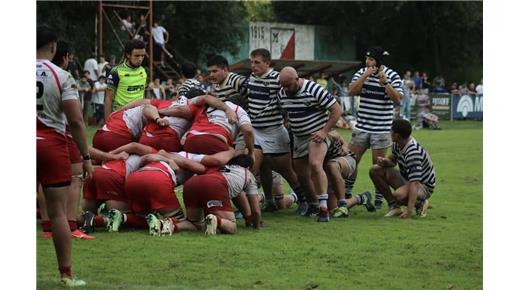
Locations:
(365, 251)
(437, 37)
(73, 22)
(259, 11)
(199, 28)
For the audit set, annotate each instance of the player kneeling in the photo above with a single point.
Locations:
(212, 209)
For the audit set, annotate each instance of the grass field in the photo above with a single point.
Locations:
(365, 251)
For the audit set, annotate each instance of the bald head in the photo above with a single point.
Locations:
(288, 72)
(289, 79)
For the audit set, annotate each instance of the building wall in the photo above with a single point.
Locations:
(310, 42)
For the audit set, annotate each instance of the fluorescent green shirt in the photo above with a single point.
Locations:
(128, 83)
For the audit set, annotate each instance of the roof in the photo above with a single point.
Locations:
(303, 67)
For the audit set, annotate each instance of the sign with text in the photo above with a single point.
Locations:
(284, 40)
(441, 105)
(467, 107)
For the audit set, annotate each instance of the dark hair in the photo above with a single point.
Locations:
(194, 92)
(133, 44)
(402, 128)
(61, 51)
(264, 53)
(189, 69)
(219, 61)
(44, 36)
(243, 160)
(377, 53)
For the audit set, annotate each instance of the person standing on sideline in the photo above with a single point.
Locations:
(414, 182)
(91, 65)
(312, 112)
(380, 90)
(160, 38)
(127, 81)
(57, 101)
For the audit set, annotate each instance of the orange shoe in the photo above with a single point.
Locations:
(81, 235)
(47, 235)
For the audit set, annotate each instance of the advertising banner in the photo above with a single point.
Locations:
(467, 107)
(441, 105)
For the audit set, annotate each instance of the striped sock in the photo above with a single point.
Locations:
(342, 202)
(379, 196)
(349, 185)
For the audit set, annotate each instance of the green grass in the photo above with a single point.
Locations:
(365, 251)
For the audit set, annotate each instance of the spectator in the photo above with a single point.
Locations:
(128, 25)
(471, 89)
(156, 90)
(142, 29)
(101, 65)
(170, 90)
(455, 89)
(406, 100)
(159, 33)
(417, 80)
(84, 88)
(479, 89)
(425, 117)
(74, 67)
(463, 89)
(91, 65)
(98, 99)
(438, 85)
(425, 83)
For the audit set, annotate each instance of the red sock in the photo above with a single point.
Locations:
(99, 221)
(73, 225)
(46, 225)
(175, 222)
(135, 221)
(219, 221)
(65, 271)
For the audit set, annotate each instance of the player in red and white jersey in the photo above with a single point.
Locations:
(57, 100)
(231, 182)
(151, 190)
(212, 128)
(164, 133)
(209, 161)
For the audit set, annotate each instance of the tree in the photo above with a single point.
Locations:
(201, 28)
(443, 38)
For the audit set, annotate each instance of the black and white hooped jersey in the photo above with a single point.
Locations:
(189, 84)
(415, 163)
(232, 89)
(262, 99)
(308, 109)
(376, 109)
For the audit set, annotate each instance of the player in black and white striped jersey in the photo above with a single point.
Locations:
(229, 85)
(272, 140)
(189, 71)
(414, 182)
(379, 88)
(312, 112)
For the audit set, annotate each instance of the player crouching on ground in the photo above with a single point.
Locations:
(341, 164)
(231, 182)
(414, 182)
